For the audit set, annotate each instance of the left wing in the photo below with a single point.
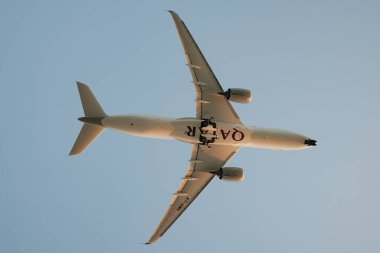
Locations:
(203, 161)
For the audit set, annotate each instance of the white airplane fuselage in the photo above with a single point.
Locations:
(189, 130)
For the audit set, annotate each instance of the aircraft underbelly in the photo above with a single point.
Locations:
(190, 130)
(143, 126)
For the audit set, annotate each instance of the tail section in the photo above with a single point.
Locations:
(92, 127)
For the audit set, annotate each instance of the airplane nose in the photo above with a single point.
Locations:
(310, 142)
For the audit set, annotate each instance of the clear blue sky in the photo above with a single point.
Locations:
(313, 67)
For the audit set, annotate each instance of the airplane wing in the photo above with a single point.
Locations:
(203, 161)
(210, 104)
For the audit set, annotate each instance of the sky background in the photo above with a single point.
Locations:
(313, 67)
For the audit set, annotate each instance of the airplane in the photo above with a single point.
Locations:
(216, 133)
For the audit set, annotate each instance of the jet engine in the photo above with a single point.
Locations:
(238, 95)
(233, 174)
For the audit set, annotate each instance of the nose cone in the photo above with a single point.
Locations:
(310, 142)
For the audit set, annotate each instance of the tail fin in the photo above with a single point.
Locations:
(92, 129)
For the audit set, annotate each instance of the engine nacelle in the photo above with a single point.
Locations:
(233, 174)
(238, 95)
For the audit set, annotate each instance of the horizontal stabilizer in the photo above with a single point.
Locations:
(87, 135)
(91, 106)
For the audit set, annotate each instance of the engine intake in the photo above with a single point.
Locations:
(238, 95)
(233, 174)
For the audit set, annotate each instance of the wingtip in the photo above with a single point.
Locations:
(153, 239)
(81, 84)
(73, 153)
(173, 13)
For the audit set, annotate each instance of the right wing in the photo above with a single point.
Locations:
(210, 104)
(203, 161)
